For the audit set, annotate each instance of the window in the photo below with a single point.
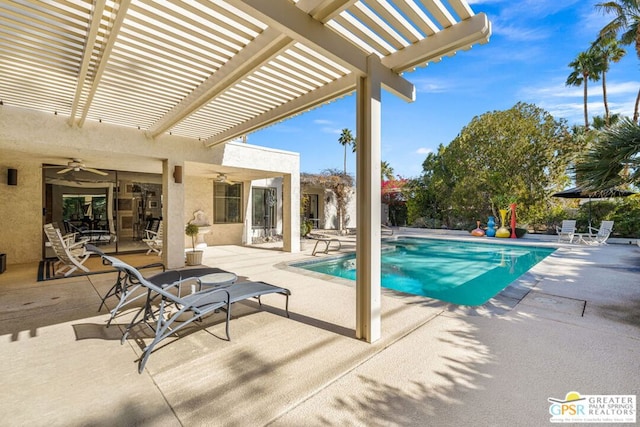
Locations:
(227, 203)
(264, 207)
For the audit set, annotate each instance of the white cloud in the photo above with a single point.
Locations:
(423, 150)
(519, 33)
(331, 130)
(516, 10)
(626, 88)
(567, 101)
(322, 122)
(426, 85)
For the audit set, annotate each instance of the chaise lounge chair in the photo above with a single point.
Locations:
(567, 231)
(186, 309)
(167, 322)
(327, 240)
(599, 236)
(128, 290)
(71, 254)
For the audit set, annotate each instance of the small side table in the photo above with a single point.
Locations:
(217, 279)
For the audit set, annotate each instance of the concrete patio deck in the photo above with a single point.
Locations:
(571, 324)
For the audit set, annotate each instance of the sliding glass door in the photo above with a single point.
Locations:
(111, 211)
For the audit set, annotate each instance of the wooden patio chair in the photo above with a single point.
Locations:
(597, 236)
(567, 231)
(71, 254)
(153, 239)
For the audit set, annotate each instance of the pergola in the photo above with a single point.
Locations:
(218, 70)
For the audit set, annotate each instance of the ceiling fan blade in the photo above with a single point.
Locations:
(99, 172)
(65, 170)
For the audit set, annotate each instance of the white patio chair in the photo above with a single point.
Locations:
(71, 254)
(598, 236)
(567, 231)
(153, 239)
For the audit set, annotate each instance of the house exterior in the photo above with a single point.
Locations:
(33, 143)
(319, 205)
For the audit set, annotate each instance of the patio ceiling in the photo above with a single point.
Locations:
(215, 70)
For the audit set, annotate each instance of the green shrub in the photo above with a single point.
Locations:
(191, 230)
(626, 216)
(305, 227)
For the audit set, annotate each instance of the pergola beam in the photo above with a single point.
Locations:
(98, 10)
(288, 19)
(324, 10)
(104, 58)
(460, 36)
(267, 45)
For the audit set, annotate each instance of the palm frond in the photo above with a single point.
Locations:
(614, 159)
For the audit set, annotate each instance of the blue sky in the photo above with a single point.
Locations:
(526, 60)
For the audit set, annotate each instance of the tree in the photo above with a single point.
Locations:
(393, 196)
(522, 153)
(608, 50)
(613, 159)
(598, 122)
(346, 139)
(425, 193)
(386, 171)
(626, 25)
(340, 184)
(585, 68)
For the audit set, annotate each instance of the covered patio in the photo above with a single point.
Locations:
(436, 364)
(159, 86)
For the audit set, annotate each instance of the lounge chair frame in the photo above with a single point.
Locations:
(168, 322)
(201, 303)
(127, 288)
(327, 244)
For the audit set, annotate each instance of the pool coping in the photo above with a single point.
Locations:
(500, 304)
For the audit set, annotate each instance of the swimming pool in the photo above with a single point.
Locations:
(465, 273)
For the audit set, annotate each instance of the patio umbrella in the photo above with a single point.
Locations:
(579, 193)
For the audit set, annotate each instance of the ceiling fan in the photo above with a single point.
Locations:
(76, 165)
(223, 178)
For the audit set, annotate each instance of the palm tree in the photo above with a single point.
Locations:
(387, 171)
(346, 139)
(585, 67)
(626, 25)
(609, 51)
(598, 122)
(608, 163)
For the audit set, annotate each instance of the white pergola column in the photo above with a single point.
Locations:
(172, 216)
(368, 100)
(291, 212)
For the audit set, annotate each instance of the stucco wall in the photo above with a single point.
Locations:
(199, 196)
(328, 206)
(21, 212)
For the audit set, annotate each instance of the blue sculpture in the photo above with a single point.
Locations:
(491, 227)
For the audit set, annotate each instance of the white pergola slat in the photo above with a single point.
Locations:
(174, 66)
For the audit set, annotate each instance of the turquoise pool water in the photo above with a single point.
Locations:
(465, 273)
